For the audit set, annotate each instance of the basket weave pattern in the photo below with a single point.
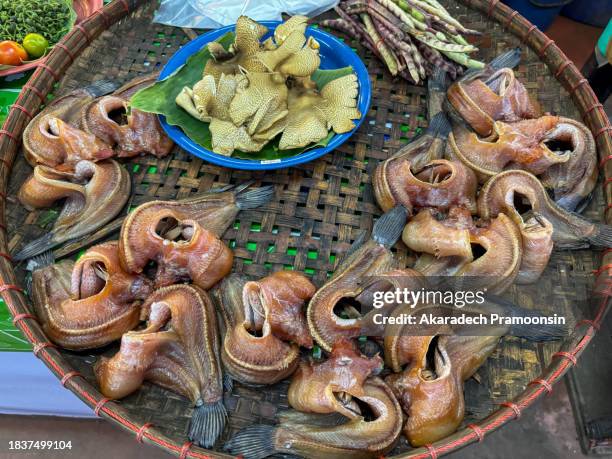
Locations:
(319, 209)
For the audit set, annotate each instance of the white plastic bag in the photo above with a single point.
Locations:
(212, 14)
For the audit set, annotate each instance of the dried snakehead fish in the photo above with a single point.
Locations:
(264, 325)
(482, 97)
(53, 137)
(504, 192)
(90, 303)
(430, 390)
(135, 132)
(324, 436)
(94, 194)
(183, 236)
(178, 350)
(370, 258)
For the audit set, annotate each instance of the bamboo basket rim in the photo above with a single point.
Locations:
(33, 95)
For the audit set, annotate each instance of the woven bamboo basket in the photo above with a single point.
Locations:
(319, 208)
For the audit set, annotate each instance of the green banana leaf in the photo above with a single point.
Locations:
(160, 98)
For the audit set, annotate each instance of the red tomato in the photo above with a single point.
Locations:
(12, 53)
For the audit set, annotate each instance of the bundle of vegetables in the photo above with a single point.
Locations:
(50, 18)
(412, 37)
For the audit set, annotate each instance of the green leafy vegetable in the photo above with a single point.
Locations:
(160, 99)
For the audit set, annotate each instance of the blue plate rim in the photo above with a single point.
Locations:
(179, 137)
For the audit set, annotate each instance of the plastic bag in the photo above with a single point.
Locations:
(212, 14)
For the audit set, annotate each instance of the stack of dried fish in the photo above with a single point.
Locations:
(505, 232)
(111, 289)
(70, 144)
(412, 37)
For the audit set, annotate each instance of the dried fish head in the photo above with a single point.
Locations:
(328, 386)
(440, 184)
(256, 347)
(130, 131)
(328, 436)
(520, 145)
(500, 97)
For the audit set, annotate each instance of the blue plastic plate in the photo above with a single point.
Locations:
(334, 54)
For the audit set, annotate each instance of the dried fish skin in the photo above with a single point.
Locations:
(227, 137)
(500, 97)
(520, 145)
(294, 23)
(75, 321)
(311, 112)
(262, 102)
(210, 99)
(328, 386)
(94, 194)
(178, 350)
(295, 55)
(314, 436)
(570, 230)
(242, 54)
(251, 351)
(440, 184)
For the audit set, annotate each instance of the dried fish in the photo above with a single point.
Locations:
(54, 137)
(367, 258)
(325, 436)
(182, 237)
(178, 350)
(329, 386)
(129, 131)
(493, 94)
(94, 194)
(264, 325)
(517, 192)
(80, 309)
